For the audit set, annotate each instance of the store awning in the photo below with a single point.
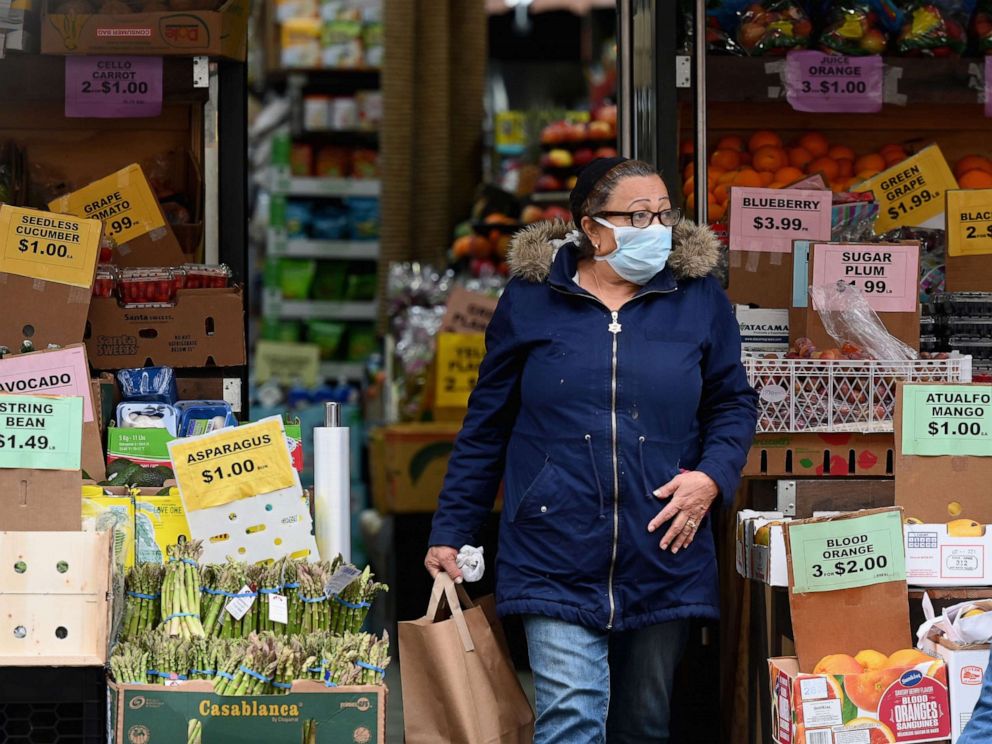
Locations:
(579, 7)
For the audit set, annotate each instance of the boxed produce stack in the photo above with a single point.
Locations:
(961, 321)
(331, 34)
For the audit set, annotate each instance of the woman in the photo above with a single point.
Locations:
(613, 405)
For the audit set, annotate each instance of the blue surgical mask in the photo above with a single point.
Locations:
(641, 251)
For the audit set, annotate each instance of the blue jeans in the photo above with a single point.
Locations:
(593, 686)
(979, 728)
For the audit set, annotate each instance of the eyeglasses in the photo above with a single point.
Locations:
(642, 218)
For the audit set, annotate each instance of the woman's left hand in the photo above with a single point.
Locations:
(691, 493)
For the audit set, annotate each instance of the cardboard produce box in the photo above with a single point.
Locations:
(205, 328)
(935, 556)
(763, 330)
(408, 464)
(131, 215)
(966, 665)
(847, 593)
(886, 273)
(820, 454)
(216, 33)
(56, 594)
(155, 713)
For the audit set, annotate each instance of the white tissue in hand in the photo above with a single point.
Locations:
(471, 562)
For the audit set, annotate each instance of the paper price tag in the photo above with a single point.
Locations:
(123, 201)
(40, 433)
(232, 464)
(951, 420)
(969, 222)
(113, 87)
(768, 220)
(457, 368)
(341, 579)
(819, 82)
(63, 372)
(54, 247)
(887, 275)
(847, 553)
(911, 193)
(278, 609)
(238, 607)
(287, 362)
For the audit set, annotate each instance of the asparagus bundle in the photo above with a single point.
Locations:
(181, 591)
(228, 654)
(227, 581)
(270, 582)
(254, 675)
(351, 606)
(143, 584)
(251, 619)
(129, 664)
(373, 658)
(169, 656)
(315, 613)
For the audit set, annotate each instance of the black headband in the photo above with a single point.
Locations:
(591, 175)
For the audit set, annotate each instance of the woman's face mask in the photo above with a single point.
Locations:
(641, 252)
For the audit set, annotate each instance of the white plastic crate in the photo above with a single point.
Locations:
(826, 395)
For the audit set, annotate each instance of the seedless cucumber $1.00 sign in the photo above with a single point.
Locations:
(947, 420)
(53, 247)
(232, 464)
(847, 553)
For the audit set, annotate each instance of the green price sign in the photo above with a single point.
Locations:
(942, 420)
(847, 553)
(40, 433)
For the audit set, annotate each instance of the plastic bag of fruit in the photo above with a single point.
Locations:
(773, 27)
(851, 322)
(934, 29)
(858, 27)
(722, 20)
(981, 27)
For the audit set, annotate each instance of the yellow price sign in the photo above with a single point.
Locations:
(54, 247)
(287, 362)
(969, 222)
(232, 464)
(511, 131)
(123, 201)
(911, 192)
(457, 367)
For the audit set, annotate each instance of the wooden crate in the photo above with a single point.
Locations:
(55, 591)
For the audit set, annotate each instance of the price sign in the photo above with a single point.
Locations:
(232, 464)
(40, 433)
(953, 420)
(54, 247)
(341, 580)
(768, 220)
(287, 362)
(511, 132)
(123, 201)
(969, 222)
(457, 368)
(888, 275)
(847, 553)
(63, 372)
(829, 83)
(911, 193)
(239, 605)
(278, 609)
(113, 87)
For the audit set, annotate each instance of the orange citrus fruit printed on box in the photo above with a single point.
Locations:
(865, 690)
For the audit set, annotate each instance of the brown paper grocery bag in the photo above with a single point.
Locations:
(459, 685)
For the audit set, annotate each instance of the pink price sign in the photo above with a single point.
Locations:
(829, 83)
(888, 275)
(113, 87)
(768, 220)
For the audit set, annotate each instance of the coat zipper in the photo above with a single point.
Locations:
(614, 328)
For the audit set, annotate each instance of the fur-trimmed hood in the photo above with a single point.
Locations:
(695, 250)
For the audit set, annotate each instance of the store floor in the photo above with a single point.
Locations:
(394, 703)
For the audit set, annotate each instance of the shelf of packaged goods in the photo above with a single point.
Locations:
(350, 371)
(908, 80)
(324, 187)
(550, 197)
(320, 310)
(356, 250)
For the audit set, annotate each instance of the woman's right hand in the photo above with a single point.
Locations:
(442, 558)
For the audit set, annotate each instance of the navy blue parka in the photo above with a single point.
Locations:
(583, 413)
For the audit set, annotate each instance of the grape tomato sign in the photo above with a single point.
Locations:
(886, 274)
(40, 433)
(768, 220)
(838, 554)
(830, 83)
(113, 87)
(53, 247)
(947, 420)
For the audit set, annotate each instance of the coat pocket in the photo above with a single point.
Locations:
(659, 461)
(538, 500)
